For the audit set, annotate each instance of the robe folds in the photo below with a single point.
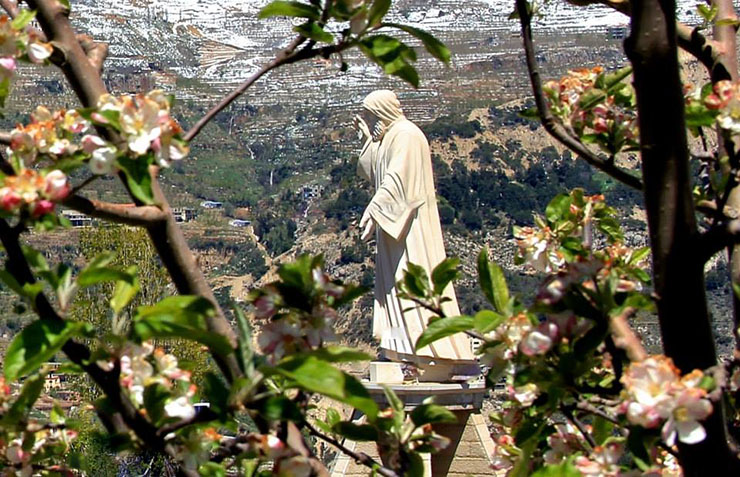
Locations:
(404, 208)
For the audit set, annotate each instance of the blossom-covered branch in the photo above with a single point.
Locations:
(549, 122)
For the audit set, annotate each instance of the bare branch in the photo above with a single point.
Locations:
(10, 7)
(705, 50)
(624, 337)
(279, 60)
(551, 125)
(96, 51)
(129, 214)
(5, 138)
(717, 238)
(359, 457)
(287, 56)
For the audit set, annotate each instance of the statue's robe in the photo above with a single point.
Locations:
(404, 208)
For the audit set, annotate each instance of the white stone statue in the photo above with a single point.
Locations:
(395, 158)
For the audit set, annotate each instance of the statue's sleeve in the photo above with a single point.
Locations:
(365, 162)
(395, 202)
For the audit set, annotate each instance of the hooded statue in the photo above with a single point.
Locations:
(395, 158)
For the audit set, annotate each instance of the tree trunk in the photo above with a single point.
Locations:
(678, 275)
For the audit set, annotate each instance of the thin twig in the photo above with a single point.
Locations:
(279, 60)
(288, 55)
(591, 409)
(624, 337)
(570, 415)
(360, 457)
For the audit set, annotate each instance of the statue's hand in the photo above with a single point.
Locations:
(361, 126)
(367, 225)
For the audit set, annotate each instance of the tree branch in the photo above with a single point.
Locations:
(360, 457)
(78, 353)
(552, 126)
(166, 235)
(142, 216)
(570, 415)
(624, 337)
(286, 56)
(717, 238)
(279, 60)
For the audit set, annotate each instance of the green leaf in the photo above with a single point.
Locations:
(155, 398)
(356, 432)
(36, 344)
(125, 291)
(493, 283)
(23, 18)
(602, 429)
(4, 91)
(278, 408)
(378, 10)
(11, 282)
(180, 317)
(431, 414)
(280, 8)
(138, 180)
(558, 208)
(697, 115)
(487, 320)
(93, 275)
(212, 469)
(416, 465)
(35, 259)
(394, 401)
(22, 406)
(315, 375)
(706, 12)
(216, 394)
(564, 469)
(340, 354)
(444, 273)
(727, 22)
(443, 328)
(392, 55)
(639, 255)
(435, 47)
(416, 281)
(246, 353)
(529, 113)
(312, 31)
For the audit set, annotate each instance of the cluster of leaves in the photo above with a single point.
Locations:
(577, 403)
(365, 18)
(598, 107)
(29, 442)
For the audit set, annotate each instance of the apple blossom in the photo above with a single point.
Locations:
(525, 394)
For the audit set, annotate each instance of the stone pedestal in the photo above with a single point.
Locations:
(471, 446)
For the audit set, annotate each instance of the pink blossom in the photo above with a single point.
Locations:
(535, 343)
(57, 185)
(7, 66)
(10, 200)
(42, 207)
(691, 407)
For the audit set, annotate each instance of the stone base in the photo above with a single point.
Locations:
(471, 447)
(395, 372)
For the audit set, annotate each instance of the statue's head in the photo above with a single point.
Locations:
(379, 109)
